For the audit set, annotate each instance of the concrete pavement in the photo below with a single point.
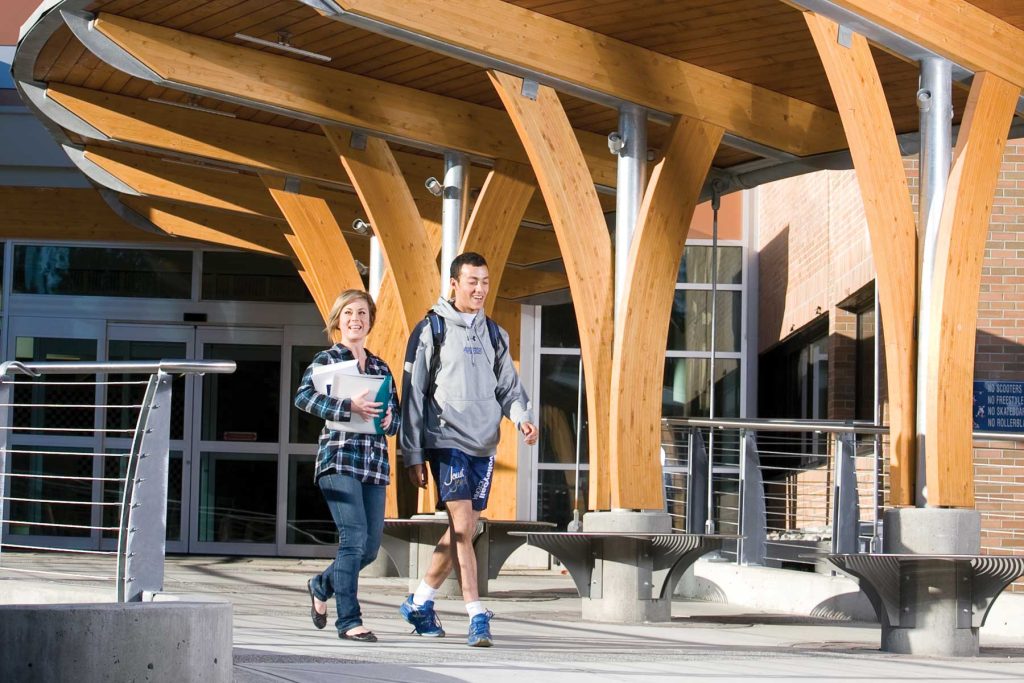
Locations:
(539, 636)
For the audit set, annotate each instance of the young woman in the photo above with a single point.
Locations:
(352, 469)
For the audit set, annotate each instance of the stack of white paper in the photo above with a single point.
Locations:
(343, 380)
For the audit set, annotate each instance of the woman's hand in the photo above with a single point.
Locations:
(364, 408)
(386, 422)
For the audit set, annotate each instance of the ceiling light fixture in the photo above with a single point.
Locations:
(361, 267)
(192, 103)
(283, 44)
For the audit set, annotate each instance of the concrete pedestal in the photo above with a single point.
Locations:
(626, 571)
(154, 641)
(932, 593)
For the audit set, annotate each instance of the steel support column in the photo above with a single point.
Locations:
(376, 267)
(453, 211)
(935, 101)
(631, 175)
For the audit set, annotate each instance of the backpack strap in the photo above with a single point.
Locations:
(437, 332)
(497, 343)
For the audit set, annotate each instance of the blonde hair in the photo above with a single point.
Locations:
(343, 300)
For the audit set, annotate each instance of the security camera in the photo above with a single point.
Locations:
(615, 142)
(361, 226)
(433, 186)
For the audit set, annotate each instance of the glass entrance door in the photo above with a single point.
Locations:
(236, 443)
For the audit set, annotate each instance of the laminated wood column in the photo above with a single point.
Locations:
(408, 288)
(890, 217)
(950, 342)
(316, 239)
(568, 190)
(496, 216)
(492, 228)
(640, 332)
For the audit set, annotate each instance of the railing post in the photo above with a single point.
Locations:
(696, 484)
(845, 503)
(753, 514)
(142, 539)
(6, 393)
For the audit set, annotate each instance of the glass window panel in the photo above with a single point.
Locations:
(690, 325)
(237, 498)
(242, 406)
(555, 492)
(73, 393)
(97, 271)
(686, 391)
(865, 367)
(27, 518)
(231, 276)
(302, 427)
(114, 468)
(559, 415)
(695, 266)
(558, 327)
(132, 394)
(309, 520)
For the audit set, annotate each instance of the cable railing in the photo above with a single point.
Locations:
(66, 492)
(798, 490)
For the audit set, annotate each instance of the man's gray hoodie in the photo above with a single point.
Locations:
(469, 397)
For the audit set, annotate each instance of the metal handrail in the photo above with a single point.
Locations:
(140, 542)
(171, 367)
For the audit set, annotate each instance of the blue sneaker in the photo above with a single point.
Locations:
(423, 619)
(480, 630)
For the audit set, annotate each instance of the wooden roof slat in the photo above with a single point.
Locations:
(228, 14)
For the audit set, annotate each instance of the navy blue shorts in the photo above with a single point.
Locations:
(460, 476)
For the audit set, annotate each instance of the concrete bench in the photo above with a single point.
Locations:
(625, 576)
(931, 599)
(410, 543)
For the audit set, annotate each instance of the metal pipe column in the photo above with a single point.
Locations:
(631, 174)
(935, 102)
(453, 212)
(376, 267)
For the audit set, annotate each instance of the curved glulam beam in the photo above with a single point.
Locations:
(384, 195)
(958, 30)
(960, 250)
(496, 217)
(214, 227)
(64, 214)
(639, 359)
(890, 217)
(579, 224)
(315, 237)
(313, 92)
(572, 54)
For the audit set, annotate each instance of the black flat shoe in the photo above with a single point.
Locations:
(319, 620)
(365, 637)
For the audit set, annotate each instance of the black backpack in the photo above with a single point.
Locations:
(437, 331)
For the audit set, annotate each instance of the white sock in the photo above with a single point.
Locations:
(474, 608)
(424, 594)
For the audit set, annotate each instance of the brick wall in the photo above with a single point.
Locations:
(815, 252)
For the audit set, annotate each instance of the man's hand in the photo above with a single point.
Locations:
(530, 433)
(417, 475)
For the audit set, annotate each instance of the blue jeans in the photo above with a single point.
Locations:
(358, 512)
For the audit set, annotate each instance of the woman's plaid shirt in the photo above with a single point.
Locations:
(363, 456)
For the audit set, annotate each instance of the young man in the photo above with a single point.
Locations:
(454, 394)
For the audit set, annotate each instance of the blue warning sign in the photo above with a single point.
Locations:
(999, 406)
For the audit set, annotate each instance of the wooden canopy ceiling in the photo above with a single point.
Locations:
(741, 63)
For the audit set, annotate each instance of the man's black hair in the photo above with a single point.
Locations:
(469, 258)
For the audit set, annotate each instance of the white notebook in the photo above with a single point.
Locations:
(343, 380)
